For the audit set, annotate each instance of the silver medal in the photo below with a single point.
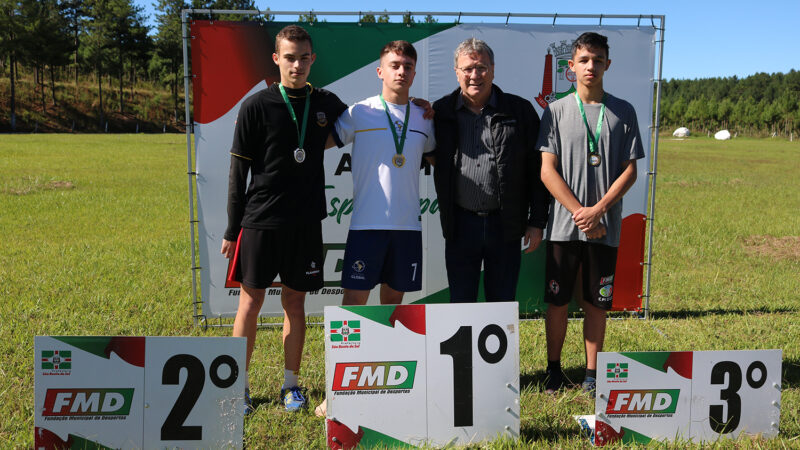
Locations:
(299, 155)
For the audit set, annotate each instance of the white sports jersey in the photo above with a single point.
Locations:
(385, 197)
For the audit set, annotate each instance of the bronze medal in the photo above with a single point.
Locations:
(594, 159)
(398, 160)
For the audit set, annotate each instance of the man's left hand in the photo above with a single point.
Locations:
(533, 237)
(424, 104)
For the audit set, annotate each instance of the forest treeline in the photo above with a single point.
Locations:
(80, 64)
(88, 62)
(761, 104)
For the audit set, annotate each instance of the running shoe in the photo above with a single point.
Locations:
(293, 399)
(248, 403)
(589, 386)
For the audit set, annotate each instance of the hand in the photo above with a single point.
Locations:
(426, 105)
(586, 218)
(597, 232)
(533, 237)
(228, 248)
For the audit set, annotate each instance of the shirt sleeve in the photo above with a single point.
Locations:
(547, 141)
(633, 140)
(345, 129)
(246, 133)
(538, 196)
(237, 186)
(430, 142)
(338, 106)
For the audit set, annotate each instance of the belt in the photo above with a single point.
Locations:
(486, 213)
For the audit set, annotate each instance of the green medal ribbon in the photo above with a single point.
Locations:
(301, 133)
(593, 140)
(398, 143)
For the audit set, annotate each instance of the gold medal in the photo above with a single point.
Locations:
(398, 160)
(594, 159)
(299, 155)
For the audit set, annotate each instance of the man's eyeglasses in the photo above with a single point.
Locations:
(480, 69)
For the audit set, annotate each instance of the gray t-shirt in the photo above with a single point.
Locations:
(563, 133)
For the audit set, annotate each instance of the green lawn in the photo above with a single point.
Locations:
(94, 240)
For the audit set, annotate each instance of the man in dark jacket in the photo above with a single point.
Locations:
(487, 179)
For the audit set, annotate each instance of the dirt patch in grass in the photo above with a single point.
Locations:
(29, 185)
(784, 247)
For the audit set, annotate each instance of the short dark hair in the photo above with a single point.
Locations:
(292, 33)
(590, 39)
(401, 48)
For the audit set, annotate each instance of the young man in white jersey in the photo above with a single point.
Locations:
(390, 138)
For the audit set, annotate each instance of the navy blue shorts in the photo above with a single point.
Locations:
(373, 257)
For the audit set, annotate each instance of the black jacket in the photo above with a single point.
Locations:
(515, 127)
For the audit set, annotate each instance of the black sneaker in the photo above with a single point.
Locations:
(553, 381)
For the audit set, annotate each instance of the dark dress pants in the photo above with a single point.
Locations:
(479, 239)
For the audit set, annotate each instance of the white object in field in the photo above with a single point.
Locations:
(723, 135)
(681, 132)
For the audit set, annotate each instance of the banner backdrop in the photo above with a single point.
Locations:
(233, 60)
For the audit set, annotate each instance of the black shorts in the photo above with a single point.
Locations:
(294, 253)
(596, 262)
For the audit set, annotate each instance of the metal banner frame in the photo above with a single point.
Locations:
(654, 21)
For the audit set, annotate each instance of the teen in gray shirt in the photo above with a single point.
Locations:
(590, 143)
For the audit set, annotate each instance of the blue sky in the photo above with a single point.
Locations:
(703, 38)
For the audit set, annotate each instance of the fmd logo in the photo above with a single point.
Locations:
(389, 375)
(638, 402)
(88, 402)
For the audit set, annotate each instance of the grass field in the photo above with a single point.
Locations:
(94, 240)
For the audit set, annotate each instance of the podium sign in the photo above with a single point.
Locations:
(698, 396)
(421, 374)
(138, 392)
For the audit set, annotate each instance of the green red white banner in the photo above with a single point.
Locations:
(232, 60)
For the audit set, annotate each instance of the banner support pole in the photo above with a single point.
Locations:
(190, 170)
(653, 171)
